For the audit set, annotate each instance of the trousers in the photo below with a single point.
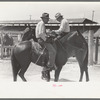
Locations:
(52, 54)
(51, 50)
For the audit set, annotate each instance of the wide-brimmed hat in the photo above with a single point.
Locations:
(45, 15)
(58, 15)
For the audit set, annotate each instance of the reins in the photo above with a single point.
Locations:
(40, 55)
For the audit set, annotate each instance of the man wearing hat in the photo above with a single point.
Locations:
(41, 36)
(64, 25)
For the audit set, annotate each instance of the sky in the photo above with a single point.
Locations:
(23, 10)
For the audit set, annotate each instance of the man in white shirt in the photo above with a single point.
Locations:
(64, 25)
(41, 36)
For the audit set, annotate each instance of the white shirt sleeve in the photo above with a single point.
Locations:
(41, 31)
(61, 28)
(64, 27)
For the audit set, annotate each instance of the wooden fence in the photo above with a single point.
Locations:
(5, 51)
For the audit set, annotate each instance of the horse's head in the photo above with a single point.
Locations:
(29, 33)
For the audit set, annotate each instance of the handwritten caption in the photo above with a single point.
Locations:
(55, 85)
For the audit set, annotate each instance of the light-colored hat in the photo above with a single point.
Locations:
(45, 15)
(58, 15)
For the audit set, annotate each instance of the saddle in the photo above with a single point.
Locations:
(39, 54)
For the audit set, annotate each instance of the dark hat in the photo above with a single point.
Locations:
(45, 15)
(58, 15)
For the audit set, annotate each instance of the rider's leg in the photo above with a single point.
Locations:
(52, 55)
(51, 62)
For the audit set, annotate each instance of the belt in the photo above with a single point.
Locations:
(39, 38)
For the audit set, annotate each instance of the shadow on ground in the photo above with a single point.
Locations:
(63, 80)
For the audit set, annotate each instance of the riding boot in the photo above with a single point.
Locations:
(44, 74)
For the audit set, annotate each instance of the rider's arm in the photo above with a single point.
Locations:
(41, 31)
(64, 27)
(61, 28)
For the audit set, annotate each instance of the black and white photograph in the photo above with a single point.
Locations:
(49, 49)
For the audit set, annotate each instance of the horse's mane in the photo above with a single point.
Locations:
(29, 35)
(25, 35)
(68, 36)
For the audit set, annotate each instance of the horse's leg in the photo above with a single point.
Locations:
(23, 70)
(57, 73)
(87, 75)
(86, 69)
(48, 74)
(83, 66)
(80, 61)
(15, 66)
(21, 74)
(45, 74)
(15, 74)
(82, 72)
(81, 76)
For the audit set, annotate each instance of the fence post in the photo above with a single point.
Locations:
(96, 50)
(2, 45)
(90, 45)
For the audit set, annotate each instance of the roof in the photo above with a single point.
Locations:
(15, 30)
(18, 28)
(81, 21)
(52, 21)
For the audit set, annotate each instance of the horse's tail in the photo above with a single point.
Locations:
(15, 65)
(83, 39)
(86, 58)
(85, 61)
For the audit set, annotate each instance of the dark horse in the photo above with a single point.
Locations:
(72, 44)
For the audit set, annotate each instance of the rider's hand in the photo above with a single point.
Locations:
(55, 39)
(58, 36)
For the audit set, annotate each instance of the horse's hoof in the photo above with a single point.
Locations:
(44, 78)
(24, 80)
(22, 77)
(87, 80)
(47, 80)
(55, 80)
(80, 80)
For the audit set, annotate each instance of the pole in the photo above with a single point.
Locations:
(90, 43)
(96, 50)
(30, 16)
(92, 15)
(1, 45)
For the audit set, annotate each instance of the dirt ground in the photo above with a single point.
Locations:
(69, 73)
(67, 87)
